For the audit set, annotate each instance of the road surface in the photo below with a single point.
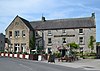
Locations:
(13, 64)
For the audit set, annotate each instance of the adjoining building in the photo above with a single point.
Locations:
(51, 34)
(2, 42)
(98, 49)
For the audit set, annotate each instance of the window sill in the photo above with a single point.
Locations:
(81, 33)
(17, 36)
(81, 44)
(49, 35)
(23, 36)
(49, 44)
(10, 37)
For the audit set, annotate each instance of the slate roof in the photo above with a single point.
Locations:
(27, 23)
(87, 22)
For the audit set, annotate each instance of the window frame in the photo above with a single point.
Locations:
(49, 41)
(49, 32)
(81, 40)
(80, 31)
(63, 31)
(64, 40)
(23, 33)
(10, 34)
(17, 33)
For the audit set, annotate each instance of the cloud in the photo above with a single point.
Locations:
(52, 9)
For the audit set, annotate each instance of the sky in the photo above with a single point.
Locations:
(32, 10)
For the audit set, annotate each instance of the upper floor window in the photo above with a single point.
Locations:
(49, 32)
(63, 31)
(23, 33)
(80, 30)
(81, 40)
(10, 34)
(36, 33)
(16, 33)
(81, 49)
(64, 40)
(49, 40)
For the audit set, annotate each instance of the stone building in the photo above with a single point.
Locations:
(51, 34)
(2, 41)
(19, 33)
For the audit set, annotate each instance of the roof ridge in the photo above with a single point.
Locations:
(64, 19)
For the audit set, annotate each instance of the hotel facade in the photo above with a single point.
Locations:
(51, 34)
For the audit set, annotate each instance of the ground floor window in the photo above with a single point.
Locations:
(23, 47)
(16, 47)
(49, 40)
(49, 50)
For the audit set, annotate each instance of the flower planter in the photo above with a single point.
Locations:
(10, 55)
(26, 56)
(15, 55)
(23, 56)
(6, 54)
(31, 56)
(20, 55)
(2, 54)
(39, 57)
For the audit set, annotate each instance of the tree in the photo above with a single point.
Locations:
(32, 43)
(91, 43)
(73, 45)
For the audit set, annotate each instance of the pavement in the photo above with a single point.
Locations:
(87, 64)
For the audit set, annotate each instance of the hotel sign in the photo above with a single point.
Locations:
(64, 35)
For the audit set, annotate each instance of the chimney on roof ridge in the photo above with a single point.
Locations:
(93, 15)
(43, 18)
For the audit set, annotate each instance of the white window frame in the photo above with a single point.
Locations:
(17, 33)
(23, 33)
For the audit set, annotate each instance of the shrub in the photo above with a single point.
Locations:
(25, 53)
(57, 54)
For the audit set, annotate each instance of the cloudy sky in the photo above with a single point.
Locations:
(51, 9)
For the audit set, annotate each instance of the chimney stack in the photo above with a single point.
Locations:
(43, 19)
(93, 15)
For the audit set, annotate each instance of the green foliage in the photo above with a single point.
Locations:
(73, 45)
(57, 54)
(1, 51)
(32, 43)
(39, 49)
(25, 53)
(91, 43)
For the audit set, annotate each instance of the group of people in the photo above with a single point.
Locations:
(51, 57)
